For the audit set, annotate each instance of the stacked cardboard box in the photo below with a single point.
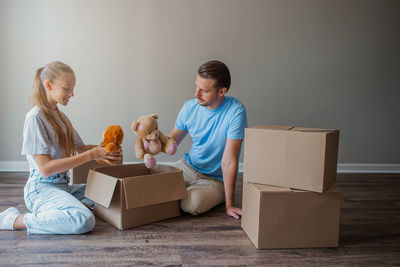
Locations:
(288, 198)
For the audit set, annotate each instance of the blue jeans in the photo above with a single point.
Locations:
(55, 206)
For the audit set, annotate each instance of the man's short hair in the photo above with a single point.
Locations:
(218, 71)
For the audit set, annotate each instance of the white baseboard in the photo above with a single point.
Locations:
(14, 166)
(23, 166)
(368, 168)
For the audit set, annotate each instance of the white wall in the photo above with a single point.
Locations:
(316, 63)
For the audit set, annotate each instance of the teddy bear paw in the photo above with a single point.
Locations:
(149, 161)
(172, 149)
(171, 146)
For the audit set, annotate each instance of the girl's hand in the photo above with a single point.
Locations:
(117, 153)
(99, 153)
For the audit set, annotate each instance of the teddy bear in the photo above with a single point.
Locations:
(150, 140)
(112, 139)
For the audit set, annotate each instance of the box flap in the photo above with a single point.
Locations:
(100, 188)
(312, 130)
(153, 189)
(292, 128)
(270, 188)
(80, 173)
(271, 127)
(123, 171)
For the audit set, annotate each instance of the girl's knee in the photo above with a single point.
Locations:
(85, 222)
(89, 224)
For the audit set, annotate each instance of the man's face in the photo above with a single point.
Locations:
(207, 95)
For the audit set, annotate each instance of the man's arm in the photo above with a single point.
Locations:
(229, 169)
(177, 134)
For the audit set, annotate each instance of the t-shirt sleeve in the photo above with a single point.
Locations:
(35, 137)
(238, 124)
(181, 120)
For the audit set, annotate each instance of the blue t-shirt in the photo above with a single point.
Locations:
(209, 129)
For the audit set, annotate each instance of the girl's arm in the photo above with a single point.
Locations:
(49, 166)
(84, 148)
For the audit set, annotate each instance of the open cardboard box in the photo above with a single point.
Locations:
(79, 174)
(279, 217)
(295, 157)
(131, 195)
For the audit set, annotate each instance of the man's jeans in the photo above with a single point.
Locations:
(203, 192)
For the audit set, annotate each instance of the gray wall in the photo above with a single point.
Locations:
(316, 63)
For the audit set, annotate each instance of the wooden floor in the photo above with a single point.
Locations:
(369, 235)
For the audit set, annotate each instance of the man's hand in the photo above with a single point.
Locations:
(234, 212)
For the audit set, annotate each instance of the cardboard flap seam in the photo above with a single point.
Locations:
(314, 131)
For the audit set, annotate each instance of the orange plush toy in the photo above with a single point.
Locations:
(112, 139)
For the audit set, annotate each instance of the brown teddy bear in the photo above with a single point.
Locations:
(150, 140)
(112, 139)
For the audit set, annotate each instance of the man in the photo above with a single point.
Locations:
(216, 125)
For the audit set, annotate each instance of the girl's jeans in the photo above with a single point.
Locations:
(55, 206)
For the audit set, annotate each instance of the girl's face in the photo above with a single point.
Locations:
(61, 90)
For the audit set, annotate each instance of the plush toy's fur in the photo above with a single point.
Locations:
(150, 140)
(112, 139)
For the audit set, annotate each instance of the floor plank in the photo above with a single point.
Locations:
(369, 234)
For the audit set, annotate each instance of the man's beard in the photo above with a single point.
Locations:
(206, 104)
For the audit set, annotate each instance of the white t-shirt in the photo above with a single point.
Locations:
(40, 138)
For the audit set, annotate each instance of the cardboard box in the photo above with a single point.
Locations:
(80, 173)
(278, 217)
(132, 195)
(295, 157)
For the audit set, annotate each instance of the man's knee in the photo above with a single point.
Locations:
(192, 204)
(200, 201)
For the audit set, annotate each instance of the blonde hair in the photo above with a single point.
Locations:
(53, 72)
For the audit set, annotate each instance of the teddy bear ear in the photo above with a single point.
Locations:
(155, 116)
(134, 125)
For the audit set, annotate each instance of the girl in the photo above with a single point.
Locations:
(52, 147)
